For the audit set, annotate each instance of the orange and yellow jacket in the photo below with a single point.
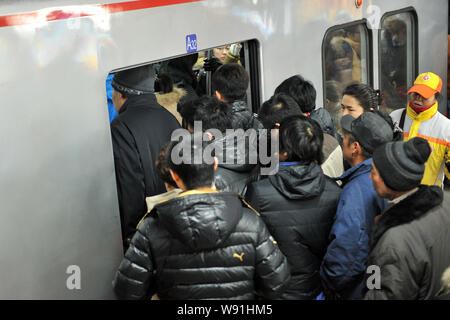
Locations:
(435, 128)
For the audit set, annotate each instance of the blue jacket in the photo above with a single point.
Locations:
(344, 265)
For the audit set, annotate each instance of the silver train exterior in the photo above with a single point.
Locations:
(59, 218)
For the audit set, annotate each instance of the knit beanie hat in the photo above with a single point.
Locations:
(402, 164)
(135, 81)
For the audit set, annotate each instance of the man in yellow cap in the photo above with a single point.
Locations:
(421, 118)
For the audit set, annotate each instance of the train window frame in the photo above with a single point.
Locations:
(369, 52)
(415, 43)
(251, 53)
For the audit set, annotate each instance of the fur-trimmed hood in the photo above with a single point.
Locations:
(407, 210)
(170, 100)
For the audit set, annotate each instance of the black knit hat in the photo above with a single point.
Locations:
(135, 81)
(402, 164)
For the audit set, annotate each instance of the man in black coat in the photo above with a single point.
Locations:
(203, 244)
(410, 242)
(138, 134)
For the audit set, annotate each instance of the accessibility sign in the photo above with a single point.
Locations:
(191, 43)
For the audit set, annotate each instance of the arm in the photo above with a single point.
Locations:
(134, 278)
(129, 178)
(344, 263)
(272, 270)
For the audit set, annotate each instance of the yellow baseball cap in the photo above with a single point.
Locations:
(427, 84)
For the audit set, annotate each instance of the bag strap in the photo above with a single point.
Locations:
(402, 119)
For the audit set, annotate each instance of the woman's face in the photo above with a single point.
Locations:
(221, 52)
(351, 106)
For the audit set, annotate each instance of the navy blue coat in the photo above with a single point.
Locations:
(344, 265)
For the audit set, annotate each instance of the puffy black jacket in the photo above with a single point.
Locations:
(236, 169)
(138, 134)
(410, 243)
(298, 205)
(243, 118)
(202, 246)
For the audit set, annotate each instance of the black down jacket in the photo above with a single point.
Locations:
(139, 133)
(236, 169)
(243, 118)
(410, 243)
(298, 205)
(202, 246)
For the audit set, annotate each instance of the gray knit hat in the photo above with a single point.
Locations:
(402, 164)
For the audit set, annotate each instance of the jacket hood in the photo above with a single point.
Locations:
(201, 220)
(297, 182)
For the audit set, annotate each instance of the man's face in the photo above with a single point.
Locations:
(117, 100)
(419, 101)
(351, 106)
(347, 148)
(378, 183)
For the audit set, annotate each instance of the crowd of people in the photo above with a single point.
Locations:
(366, 193)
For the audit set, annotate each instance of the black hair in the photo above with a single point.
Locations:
(276, 109)
(367, 97)
(164, 83)
(231, 80)
(213, 114)
(162, 167)
(192, 169)
(333, 91)
(302, 139)
(301, 90)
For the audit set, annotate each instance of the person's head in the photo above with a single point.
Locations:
(359, 98)
(397, 31)
(162, 169)
(187, 164)
(136, 81)
(398, 167)
(301, 90)
(426, 90)
(362, 135)
(163, 83)
(221, 53)
(333, 93)
(213, 114)
(230, 82)
(301, 139)
(276, 109)
(181, 69)
(397, 132)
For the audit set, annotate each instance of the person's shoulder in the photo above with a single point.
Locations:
(396, 114)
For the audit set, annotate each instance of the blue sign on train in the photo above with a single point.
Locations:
(191, 43)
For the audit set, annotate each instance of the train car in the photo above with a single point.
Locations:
(60, 233)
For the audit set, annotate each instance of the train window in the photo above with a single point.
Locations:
(188, 76)
(345, 59)
(397, 62)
